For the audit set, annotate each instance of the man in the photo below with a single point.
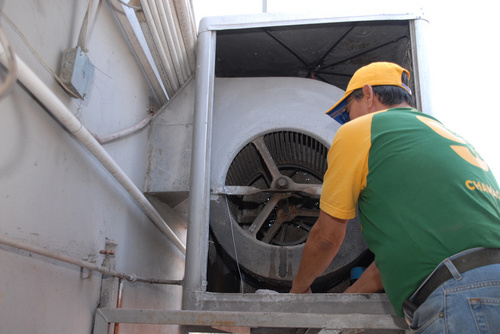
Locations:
(428, 204)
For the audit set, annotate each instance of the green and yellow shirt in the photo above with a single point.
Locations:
(422, 191)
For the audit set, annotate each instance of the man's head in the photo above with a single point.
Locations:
(374, 87)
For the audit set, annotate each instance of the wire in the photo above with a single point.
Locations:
(87, 27)
(13, 25)
(12, 66)
(234, 244)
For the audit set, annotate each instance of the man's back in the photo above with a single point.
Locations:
(424, 194)
(428, 195)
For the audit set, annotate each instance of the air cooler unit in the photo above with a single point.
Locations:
(255, 164)
(269, 141)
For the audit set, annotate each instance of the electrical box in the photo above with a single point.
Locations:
(77, 72)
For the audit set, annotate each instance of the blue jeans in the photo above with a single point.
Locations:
(467, 303)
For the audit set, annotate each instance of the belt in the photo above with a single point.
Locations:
(466, 262)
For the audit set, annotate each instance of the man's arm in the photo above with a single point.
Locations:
(368, 282)
(322, 245)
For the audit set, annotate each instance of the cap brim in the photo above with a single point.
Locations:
(336, 113)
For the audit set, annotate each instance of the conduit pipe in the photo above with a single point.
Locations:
(170, 32)
(81, 263)
(119, 304)
(170, 38)
(136, 46)
(140, 125)
(176, 34)
(36, 86)
(171, 82)
(187, 29)
(127, 131)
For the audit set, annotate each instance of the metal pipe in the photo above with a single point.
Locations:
(119, 304)
(36, 86)
(199, 201)
(140, 125)
(187, 29)
(138, 50)
(151, 15)
(182, 47)
(170, 31)
(127, 131)
(81, 263)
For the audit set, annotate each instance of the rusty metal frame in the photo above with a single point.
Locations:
(106, 316)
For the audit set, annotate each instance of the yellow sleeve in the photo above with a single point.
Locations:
(347, 168)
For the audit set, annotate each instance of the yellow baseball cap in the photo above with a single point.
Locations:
(374, 74)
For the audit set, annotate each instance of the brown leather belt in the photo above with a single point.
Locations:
(466, 262)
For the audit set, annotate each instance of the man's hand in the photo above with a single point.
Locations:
(322, 245)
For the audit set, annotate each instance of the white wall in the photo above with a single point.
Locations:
(54, 193)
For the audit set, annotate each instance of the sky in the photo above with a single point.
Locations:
(462, 55)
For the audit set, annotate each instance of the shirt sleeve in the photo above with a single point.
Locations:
(347, 171)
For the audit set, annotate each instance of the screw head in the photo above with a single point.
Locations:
(282, 183)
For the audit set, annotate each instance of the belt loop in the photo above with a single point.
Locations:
(453, 270)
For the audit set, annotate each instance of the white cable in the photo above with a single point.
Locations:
(11, 63)
(87, 21)
(54, 75)
(234, 244)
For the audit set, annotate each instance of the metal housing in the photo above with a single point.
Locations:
(270, 46)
